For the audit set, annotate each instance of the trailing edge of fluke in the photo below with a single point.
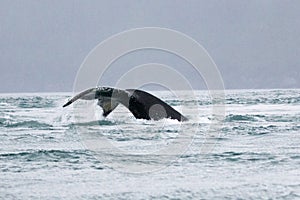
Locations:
(140, 103)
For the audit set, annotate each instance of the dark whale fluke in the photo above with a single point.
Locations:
(140, 103)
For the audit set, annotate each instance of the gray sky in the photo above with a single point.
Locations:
(255, 44)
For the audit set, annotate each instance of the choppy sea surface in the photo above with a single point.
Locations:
(50, 152)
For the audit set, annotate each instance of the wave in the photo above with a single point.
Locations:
(264, 97)
(283, 118)
(51, 157)
(94, 123)
(29, 102)
(61, 153)
(295, 118)
(263, 100)
(24, 124)
(232, 156)
(244, 156)
(200, 102)
(250, 118)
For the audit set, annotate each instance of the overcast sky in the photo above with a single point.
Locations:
(255, 44)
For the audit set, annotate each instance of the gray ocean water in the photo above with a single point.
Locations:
(47, 152)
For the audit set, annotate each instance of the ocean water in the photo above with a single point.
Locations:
(50, 152)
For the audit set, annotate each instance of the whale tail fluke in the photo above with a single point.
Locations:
(140, 103)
